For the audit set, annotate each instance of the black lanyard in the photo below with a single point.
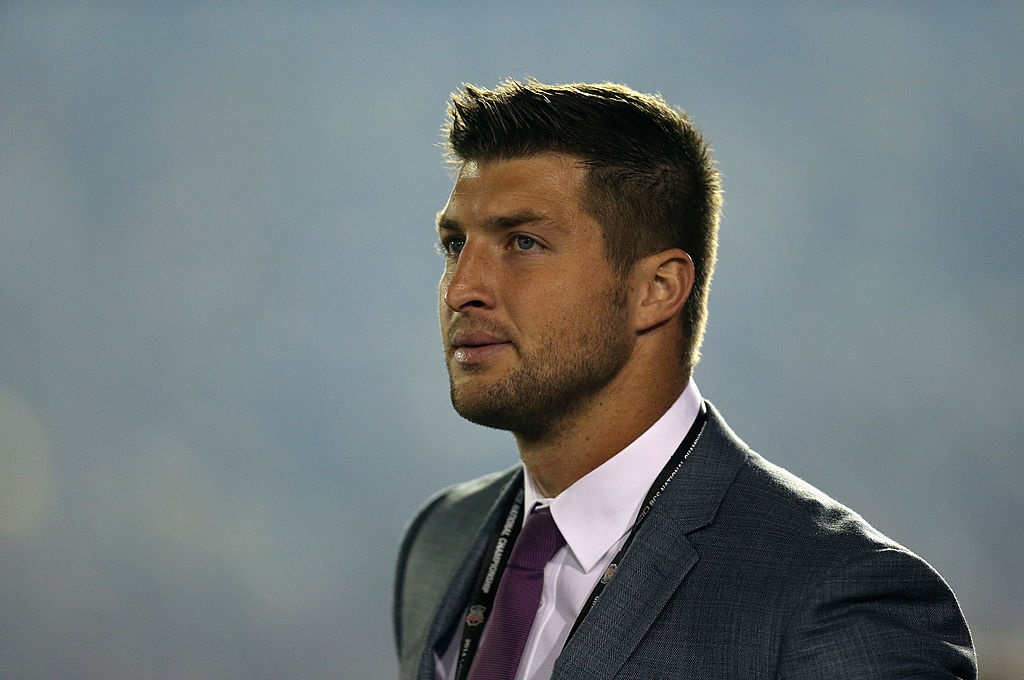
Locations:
(500, 547)
(661, 482)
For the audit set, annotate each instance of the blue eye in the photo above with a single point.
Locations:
(452, 245)
(525, 242)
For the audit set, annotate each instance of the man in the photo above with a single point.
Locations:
(580, 240)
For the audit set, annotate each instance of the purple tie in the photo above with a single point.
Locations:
(517, 599)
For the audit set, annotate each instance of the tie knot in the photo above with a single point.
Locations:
(539, 540)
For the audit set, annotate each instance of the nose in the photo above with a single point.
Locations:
(468, 281)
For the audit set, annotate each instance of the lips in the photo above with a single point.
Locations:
(477, 347)
(475, 339)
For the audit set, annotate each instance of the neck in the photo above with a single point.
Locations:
(584, 441)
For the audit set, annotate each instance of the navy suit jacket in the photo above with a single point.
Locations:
(741, 570)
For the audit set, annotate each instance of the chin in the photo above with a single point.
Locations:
(475, 404)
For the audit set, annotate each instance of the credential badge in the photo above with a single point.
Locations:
(476, 615)
(609, 573)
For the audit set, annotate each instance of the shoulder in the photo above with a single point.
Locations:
(776, 511)
(437, 541)
(456, 508)
(837, 592)
(776, 532)
(789, 508)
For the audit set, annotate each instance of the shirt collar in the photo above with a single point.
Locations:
(600, 508)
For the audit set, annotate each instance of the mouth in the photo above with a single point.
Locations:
(477, 347)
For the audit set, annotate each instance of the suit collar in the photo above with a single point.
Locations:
(659, 559)
(600, 508)
(692, 500)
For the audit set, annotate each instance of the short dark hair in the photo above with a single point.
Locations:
(651, 182)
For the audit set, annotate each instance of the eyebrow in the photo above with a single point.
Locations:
(499, 223)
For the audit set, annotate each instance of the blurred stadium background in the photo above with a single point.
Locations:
(221, 393)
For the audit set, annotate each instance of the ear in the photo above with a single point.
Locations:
(663, 283)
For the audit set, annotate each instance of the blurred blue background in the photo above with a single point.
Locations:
(221, 391)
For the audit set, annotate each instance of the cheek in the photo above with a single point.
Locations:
(442, 288)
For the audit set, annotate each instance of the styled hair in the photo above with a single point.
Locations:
(651, 183)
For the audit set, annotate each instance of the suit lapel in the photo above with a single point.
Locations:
(647, 577)
(456, 596)
(657, 562)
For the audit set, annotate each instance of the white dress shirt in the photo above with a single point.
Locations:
(595, 516)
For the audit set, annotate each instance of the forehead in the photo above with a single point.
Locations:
(549, 183)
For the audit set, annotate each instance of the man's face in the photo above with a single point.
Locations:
(533, 318)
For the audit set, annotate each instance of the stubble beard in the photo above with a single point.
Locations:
(556, 381)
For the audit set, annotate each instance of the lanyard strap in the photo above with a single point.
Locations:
(500, 546)
(661, 482)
